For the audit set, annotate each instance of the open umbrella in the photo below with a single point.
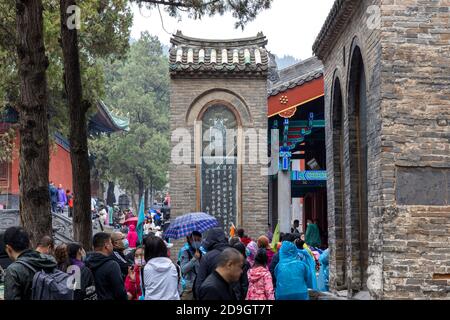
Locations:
(187, 223)
(132, 220)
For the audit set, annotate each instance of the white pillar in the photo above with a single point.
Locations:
(284, 201)
(296, 210)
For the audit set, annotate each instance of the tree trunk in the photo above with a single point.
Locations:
(34, 204)
(111, 197)
(140, 189)
(82, 223)
(146, 198)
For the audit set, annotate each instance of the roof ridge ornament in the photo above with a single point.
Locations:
(213, 56)
(257, 56)
(224, 56)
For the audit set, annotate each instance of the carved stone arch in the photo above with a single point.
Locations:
(230, 98)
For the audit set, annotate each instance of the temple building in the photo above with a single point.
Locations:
(218, 121)
(297, 190)
(60, 168)
(387, 113)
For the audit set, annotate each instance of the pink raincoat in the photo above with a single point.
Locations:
(260, 285)
(132, 236)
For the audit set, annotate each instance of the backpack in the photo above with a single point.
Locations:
(55, 285)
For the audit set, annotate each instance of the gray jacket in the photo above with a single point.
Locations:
(189, 267)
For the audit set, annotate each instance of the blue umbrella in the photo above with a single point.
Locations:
(184, 225)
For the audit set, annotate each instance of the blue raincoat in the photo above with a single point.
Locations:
(324, 271)
(306, 258)
(292, 275)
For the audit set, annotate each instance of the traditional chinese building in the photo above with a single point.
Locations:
(220, 87)
(297, 190)
(387, 109)
(60, 168)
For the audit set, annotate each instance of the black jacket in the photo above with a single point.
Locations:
(19, 278)
(216, 288)
(241, 287)
(273, 264)
(109, 284)
(87, 286)
(214, 244)
(123, 262)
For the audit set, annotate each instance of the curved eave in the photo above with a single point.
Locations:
(296, 96)
(105, 121)
(337, 19)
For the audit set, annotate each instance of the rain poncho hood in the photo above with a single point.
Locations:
(292, 275)
(215, 238)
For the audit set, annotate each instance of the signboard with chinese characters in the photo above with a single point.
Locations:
(309, 176)
(219, 189)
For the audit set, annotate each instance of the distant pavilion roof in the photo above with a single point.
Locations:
(197, 58)
(337, 19)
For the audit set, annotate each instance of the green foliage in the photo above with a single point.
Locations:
(105, 29)
(243, 10)
(139, 87)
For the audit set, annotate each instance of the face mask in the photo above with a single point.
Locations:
(125, 243)
(196, 245)
(139, 262)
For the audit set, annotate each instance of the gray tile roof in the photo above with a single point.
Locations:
(337, 19)
(296, 75)
(192, 57)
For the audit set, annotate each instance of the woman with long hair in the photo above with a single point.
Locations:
(161, 276)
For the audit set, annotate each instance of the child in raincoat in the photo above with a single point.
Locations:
(132, 237)
(260, 285)
(292, 274)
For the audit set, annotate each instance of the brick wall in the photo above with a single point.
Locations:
(183, 185)
(343, 220)
(407, 67)
(416, 134)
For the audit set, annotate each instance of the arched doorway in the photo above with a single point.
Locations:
(337, 120)
(357, 103)
(219, 164)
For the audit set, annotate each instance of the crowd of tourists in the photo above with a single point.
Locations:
(60, 199)
(211, 266)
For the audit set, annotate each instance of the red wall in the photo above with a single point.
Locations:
(60, 167)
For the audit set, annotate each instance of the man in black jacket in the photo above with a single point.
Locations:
(218, 285)
(241, 287)
(19, 278)
(108, 278)
(215, 242)
(120, 244)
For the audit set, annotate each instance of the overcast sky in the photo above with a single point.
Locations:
(291, 26)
